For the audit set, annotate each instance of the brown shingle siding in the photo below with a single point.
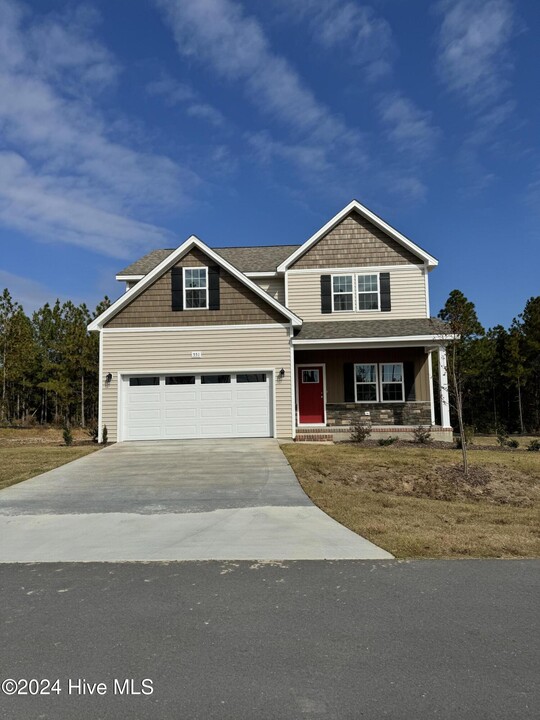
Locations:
(238, 304)
(355, 242)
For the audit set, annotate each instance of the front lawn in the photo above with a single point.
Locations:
(27, 452)
(411, 501)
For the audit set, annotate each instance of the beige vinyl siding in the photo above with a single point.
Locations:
(273, 286)
(407, 291)
(231, 349)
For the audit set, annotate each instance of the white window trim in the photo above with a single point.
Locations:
(200, 267)
(336, 275)
(393, 383)
(368, 292)
(366, 402)
(356, 292)
(379, 384)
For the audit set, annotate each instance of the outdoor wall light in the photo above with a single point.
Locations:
(282, 373)
(108, 378)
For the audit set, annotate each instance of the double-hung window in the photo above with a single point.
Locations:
(366, 386)
(342, 293)
(374, 382)
(196, 288)
(368, 292)
(355, 292)
(392, 382)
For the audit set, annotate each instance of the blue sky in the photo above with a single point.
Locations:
(129, 126)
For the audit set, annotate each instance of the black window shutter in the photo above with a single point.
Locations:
(348, 382)
(408, 377)
(213, 287)
(326, 294)
(384, 284)
(177, 289)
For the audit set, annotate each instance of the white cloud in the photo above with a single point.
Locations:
(237, 48)
(355, 30)
(473, 54)
(74, 183)
(45, 206)
(180, 93)
(408, 128)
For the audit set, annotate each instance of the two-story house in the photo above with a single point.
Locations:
(275, 341)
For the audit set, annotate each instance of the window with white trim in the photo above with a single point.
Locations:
(196, 288)
(392, 385)
(368, 292)
(365, 382)
(342, 293)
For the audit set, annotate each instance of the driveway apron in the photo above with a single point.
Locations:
(174, 500)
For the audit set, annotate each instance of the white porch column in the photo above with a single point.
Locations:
(443, 383)
(431, 393)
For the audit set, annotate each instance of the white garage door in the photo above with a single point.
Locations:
(183, 406)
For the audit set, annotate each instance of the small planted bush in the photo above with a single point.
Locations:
(502, 437)
(390, 440)
(512, 443)
(67, 435)
(93, 433)
(422, 435)
(105, 435)
(534, 446)
(359, 430)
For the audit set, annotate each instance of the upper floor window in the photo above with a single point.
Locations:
(342, 293)
(196, 288)
(355, 292)
(368, 292)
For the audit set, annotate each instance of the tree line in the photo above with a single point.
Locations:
(49, 365)
(497, 371)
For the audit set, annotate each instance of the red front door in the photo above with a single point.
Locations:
(310, 395)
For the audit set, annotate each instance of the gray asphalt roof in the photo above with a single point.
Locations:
(336, 329)
(264, 258)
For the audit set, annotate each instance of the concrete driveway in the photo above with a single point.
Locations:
(177, 500)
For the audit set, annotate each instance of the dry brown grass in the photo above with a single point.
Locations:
(39, 436)
(412, 500)
(27, 452)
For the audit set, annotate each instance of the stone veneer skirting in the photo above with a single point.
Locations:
(408, 413)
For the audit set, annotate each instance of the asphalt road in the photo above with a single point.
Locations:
(344, 639)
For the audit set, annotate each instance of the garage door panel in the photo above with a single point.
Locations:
(216, 412)
(174, 413)
(252, 412)
(144, 414)
(183, 410)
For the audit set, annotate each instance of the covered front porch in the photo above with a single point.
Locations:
(386, 382)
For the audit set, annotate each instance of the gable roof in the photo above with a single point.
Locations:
(264, 258)
(168, 262)
(355, 206)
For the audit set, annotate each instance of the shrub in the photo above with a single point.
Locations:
(469, 434)
(67, 435)
(93, 433)
(360, 430)
(513, 443)
(390, 440)
(502, 437)
(422, 435)
(105, 435)
(534, 446)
